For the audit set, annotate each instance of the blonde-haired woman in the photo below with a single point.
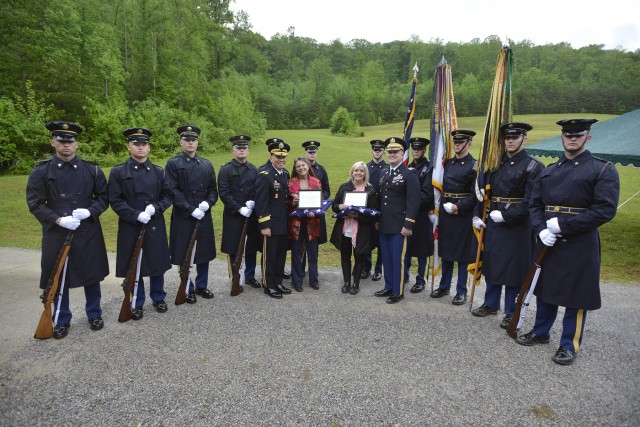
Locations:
(352, 234)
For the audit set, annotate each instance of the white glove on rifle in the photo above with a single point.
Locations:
(250, 204)
(478, 223)
(203, 206)
(547, 237)
(197, 213)
(553, 226)
(433, 218)
(81, 214)
(150, 210)
(496, 216)
(144, 217)
(448, 207)
(69, 222)
(245, 212)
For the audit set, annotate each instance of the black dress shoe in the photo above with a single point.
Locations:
(394, 299)
(137, 313)
(61, 331)
(298, 288)
(417, 288)
(283, 290)
(384, 293)
(314, 286)
(376, 277)
(204, 293)
(506, 320)
(564, 356)
(483, 311)
(459, 299)
(253, 283)
(345, 287)
(355, 288)
(96, 323)
(531, 339)
(439, 293)
(273, 293)
(191, 298)
(160, 306)
(365, 275)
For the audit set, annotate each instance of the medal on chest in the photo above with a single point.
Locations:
(276, 189)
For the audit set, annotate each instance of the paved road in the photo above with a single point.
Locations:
(315, 358)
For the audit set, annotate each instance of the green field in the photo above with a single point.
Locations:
(620, 237)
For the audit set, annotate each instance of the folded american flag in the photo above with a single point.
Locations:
(358, 209)
(298, 213)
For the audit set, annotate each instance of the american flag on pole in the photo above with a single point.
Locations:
(411, 111)
(443, 120)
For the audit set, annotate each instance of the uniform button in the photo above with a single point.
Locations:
(385, 203)
(63, 195)
(385, 197)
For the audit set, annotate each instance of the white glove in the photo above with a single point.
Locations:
(433, 218)
(203, 206)
(448, 207)
(69, 222)
(553, 226)
(496, 216)
(150, 210)
(547, 237)
(245, 212)
(197, 213)
(250, 204)
(478, 223)
(81, 214)
(144, 217)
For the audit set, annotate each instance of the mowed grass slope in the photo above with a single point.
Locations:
(620, 237)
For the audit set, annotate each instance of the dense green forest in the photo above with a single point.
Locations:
(112, 64)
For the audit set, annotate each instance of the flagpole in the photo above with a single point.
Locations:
(411, 110)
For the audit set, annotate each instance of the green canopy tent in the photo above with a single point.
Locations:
(616, 140)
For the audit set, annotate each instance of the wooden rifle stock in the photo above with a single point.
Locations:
(185, 267)
(44, 329)
(526, 285)
(235, 269)
(130, 278)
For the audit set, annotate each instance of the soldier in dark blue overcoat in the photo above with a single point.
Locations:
(192, 181)
(68, 195)
(569, 201)
(139, 195)
(375, 166)
(508, 238)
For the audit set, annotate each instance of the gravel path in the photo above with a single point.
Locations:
(313, 358)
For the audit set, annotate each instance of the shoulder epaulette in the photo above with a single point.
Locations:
(264, 172)
(89, 162)
(43, 161)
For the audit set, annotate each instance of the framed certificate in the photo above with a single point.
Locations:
(356, 198)
(310, 199)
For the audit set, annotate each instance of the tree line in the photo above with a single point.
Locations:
(112, 64)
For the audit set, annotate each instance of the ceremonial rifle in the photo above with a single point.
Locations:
(185, 267)
(235, 268)
(523, 298)
(131, 277)
(45, 326)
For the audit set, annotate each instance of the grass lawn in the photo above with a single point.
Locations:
(620, 237)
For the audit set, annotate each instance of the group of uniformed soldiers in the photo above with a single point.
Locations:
(562, 205)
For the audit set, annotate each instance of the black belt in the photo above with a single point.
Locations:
(564, 209)
(456, 195)
(506, 200)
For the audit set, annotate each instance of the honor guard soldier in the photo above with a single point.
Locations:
(273, 218)
(138, 194)
(508, 238)
(375, 167)
(192, 181)
(398, 210)
(457, 241)
(311, 153)
(420, 243)
(67, 195)
(237, 190)
(569, 201)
